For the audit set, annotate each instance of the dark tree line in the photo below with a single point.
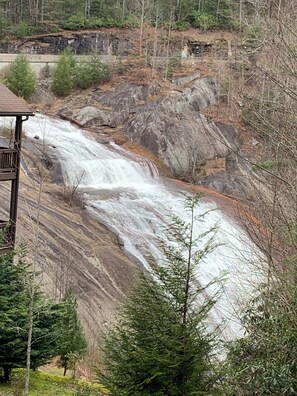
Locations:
(25, 17)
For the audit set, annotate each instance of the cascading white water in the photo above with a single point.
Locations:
(128, 197)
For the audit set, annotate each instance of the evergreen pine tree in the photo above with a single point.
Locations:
(161, 346)
(20, 78)
(63, 75)
(13, 306)
(72, 342)
(14, 318)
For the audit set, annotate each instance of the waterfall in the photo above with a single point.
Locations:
(125, 193)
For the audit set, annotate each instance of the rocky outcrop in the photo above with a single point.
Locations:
(173, 128)
(90, 116)
(101, 42)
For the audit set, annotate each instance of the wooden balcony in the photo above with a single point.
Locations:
(7, 164)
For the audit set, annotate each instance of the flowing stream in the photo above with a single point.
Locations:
(126, 194)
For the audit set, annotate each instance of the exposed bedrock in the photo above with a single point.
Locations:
(172, 126)
(102, 42)
(174, 129)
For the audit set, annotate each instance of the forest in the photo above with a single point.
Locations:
(36, 16)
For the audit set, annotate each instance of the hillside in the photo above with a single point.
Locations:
(212, 108)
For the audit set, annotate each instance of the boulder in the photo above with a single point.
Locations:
(91, 116)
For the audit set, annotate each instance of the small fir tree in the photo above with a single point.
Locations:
(20, 78)
(161, 346)
(63, 75)
(72, 342)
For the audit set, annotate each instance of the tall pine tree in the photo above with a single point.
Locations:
(20, 78)
(72, 342)
(161, 346)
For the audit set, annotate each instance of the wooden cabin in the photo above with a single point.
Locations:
(10, 157)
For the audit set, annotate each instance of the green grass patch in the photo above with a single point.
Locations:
(47, 384)
(270, 164)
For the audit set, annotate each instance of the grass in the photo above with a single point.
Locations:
(270, 164)
(48, 384)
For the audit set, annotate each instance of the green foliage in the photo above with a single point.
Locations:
(270, 164)
(72, 343)
(14, 302)
(80, 21)
(213, 14)
(25, 29)
(62, 75)
(178, 25)
(264, 362)
(5, 23)
(203, 20)
(18, 18)
(20, 78)
(87, 391)
(160, 345)
(56, 327)
(71, 58)
(91, 73)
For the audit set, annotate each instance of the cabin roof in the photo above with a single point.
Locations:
(11, 105)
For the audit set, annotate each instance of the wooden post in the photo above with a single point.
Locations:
(15, 183)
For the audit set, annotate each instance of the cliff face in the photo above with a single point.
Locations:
(105, 43)
(123, 42)
(174, 129)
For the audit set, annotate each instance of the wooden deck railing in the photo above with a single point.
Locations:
(7, 163)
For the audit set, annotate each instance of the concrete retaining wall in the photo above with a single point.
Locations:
(38, 62)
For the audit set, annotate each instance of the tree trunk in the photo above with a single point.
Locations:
(29, 343)
(7, 372)
(65, 369)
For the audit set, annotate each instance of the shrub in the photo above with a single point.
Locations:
(80, 21)
(178, 25)
(20, 77)
(204, 20)
(24, 29)
(76, 21)
(93, 72)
